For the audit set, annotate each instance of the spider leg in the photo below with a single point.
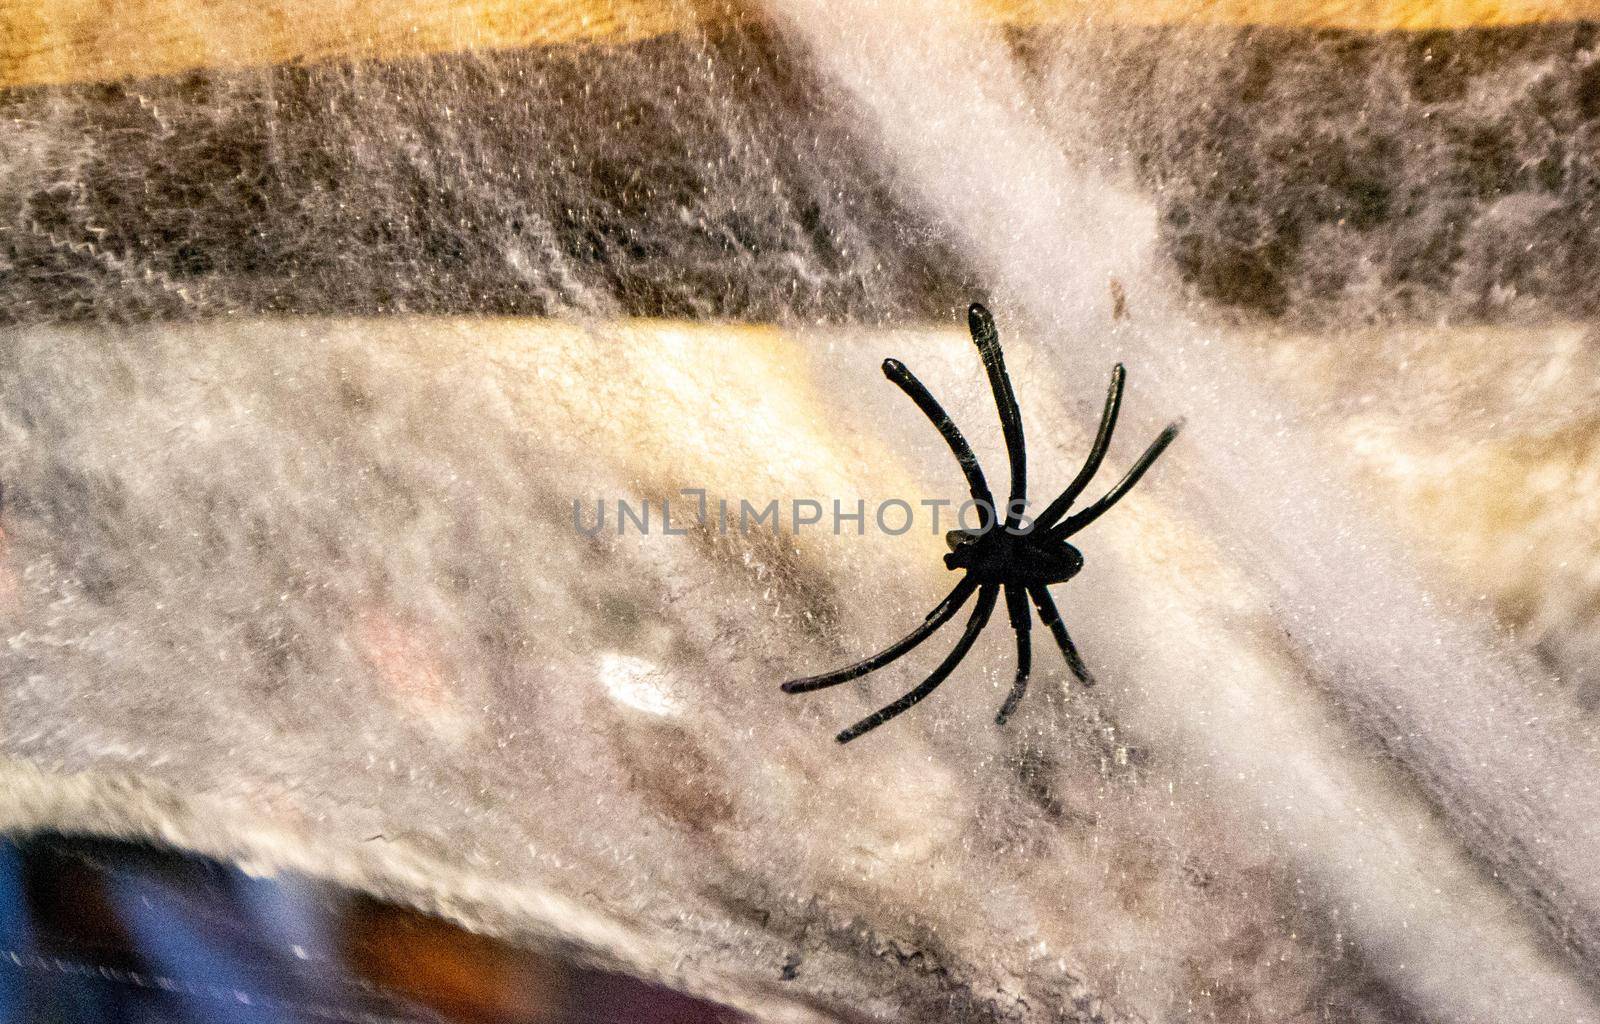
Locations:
(943, 612)
(1052, 620)
(1022, 623)
(1078, 520)
(980, 617)
(1097, 454)
(987, 339)
(906, 381)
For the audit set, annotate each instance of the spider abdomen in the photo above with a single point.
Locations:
(1047, 563)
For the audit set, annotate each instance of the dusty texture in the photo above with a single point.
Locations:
(308, 582)
(1339, 178)
(664, 179)
(388, 624)
(1322, 177)
(1484, 441)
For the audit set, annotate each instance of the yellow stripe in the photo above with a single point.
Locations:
(99, 40)
(1357, 15)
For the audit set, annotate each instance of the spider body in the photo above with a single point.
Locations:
(1023, 559)
(995, 556)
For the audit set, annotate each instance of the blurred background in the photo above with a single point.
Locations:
(98, 930)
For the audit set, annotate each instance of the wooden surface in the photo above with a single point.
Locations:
(43, 41)
(93, 40)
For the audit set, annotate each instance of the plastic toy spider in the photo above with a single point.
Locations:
(1023, 559)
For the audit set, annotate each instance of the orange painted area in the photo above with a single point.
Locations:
(57, 41)
(1356, 15)
(462, 976)
(45, 41)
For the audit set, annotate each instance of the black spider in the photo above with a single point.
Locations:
(1025, 559)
